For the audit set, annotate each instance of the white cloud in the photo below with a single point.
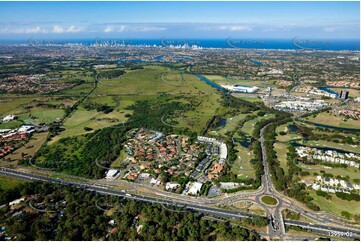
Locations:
(149, 28)
(131, 28)
(115, 28)
(71, 29)
(31, 30)
(109, 29)
(226, 28)
(235, 28)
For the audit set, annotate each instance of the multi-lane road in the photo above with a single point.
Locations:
(223, 213)
(324, 223)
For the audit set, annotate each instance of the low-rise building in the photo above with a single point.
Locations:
(193, 188)
(239, 88)
(9, 118)
(111, 173)
(300, 105)
(171, 185)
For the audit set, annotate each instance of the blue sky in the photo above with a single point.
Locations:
(272, 20)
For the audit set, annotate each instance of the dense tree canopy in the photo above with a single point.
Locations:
(81, 219)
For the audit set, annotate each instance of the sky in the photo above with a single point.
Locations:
(191, 20)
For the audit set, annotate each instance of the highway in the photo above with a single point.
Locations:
(326, 224)
(223, 213)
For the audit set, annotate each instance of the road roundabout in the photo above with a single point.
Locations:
(269, 200)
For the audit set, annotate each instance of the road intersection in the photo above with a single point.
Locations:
(323, 223)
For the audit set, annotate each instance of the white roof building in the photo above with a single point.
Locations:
(26, 129)
(9, 118)
(315, 186)
(111, 174)
(239, 88)
(171, 185)
(223, 153)
(154, 181)
(194, 188)
(17, 201)
(324, 189)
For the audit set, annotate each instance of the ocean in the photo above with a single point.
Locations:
(284, 44)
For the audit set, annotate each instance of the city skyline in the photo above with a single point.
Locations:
(208, 20)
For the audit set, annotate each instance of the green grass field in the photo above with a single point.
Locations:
(11, 125)
(332, 120)
(82, 118)
(248, 126)
(82, 89)
(324, 143)
(9, 182)
(242, 166)
(122, 156)
(269, 200)
(206, 106)
(144, 84)
(11, 105)
(43, 115)
(335, 205)
(231, 124)
(251, 99)
(289, 136)
(35, 109)
(353, 173)
(329, 133)
(281, 152)
(149, 81)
